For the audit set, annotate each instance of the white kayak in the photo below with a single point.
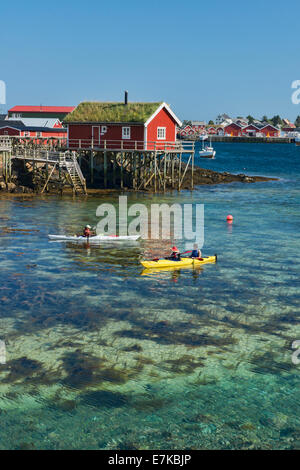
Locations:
(95, 238)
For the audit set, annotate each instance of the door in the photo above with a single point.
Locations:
(96, 136)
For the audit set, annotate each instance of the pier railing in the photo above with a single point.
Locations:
(51, 143)
(132, 145)
(5, 144)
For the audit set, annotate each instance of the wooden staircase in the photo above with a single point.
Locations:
(68, 161)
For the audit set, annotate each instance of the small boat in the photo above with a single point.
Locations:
(165, 263)
(207, 150)
(94, 239)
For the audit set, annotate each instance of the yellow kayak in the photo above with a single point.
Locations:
(165, 263)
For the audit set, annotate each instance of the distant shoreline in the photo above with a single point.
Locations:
(246, 140)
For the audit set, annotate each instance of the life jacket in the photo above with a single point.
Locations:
(195, 254)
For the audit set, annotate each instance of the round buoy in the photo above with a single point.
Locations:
(229, 218)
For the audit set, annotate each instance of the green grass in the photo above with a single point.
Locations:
(112, 112)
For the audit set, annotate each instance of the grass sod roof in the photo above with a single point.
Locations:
(112, 112)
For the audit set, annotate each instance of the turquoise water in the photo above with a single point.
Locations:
(100, 356)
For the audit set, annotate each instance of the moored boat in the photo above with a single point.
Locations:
(207, 150)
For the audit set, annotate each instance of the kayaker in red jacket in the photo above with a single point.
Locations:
(87, 231)
(175, 254)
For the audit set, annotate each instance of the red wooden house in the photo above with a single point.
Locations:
(212, 130)
(270, 131)
(58, 112)
(233, 130)
(186, 131)
(18, 128)
(251, 130)
(141, 126)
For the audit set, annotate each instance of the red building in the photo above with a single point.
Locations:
(186, 131)
(125, 125)
(270, 131)
(58, 112)
(233, 130)
(251, 130)
(212, 130)
(18, 128)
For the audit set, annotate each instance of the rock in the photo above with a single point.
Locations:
(2, 186)
(18, 190)
(11, 187)
(26, 189)
(247, 179)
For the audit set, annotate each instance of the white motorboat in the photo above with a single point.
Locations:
(207, 150)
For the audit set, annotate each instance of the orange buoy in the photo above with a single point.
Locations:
(229, 218)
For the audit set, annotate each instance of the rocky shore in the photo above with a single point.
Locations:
(203, 176)
(24, 182)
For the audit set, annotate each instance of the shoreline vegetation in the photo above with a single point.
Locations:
(27, 184)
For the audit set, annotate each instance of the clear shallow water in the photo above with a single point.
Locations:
(102, 357)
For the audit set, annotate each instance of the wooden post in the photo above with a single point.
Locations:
(135, 170)
(165, 170)
(59, 177)
(47, 169)
(114, 169)
(122, 157)
(179, 171)
(173, 169)
(92, 167)
(105, 169)
(155, 170)
(193, 155)
(5, 166)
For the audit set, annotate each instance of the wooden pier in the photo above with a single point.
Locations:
(136, 165)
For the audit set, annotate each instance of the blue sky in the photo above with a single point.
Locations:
(204, 58)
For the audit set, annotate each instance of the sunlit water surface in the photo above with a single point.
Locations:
(99, 356)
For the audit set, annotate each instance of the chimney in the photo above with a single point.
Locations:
(126, 97)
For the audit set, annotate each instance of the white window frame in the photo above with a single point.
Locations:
(103, 129)
(26, 133)
(126, 132)
(163, 129)
(39, 134)
(16, 115)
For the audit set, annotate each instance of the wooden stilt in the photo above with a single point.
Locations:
(105, 169)
(48, 178)
(155, 171)
(179, 171)
(92, 166)
(114, 170)
(122, 180)
(173, 170)
(192, 179)
(165, 172)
